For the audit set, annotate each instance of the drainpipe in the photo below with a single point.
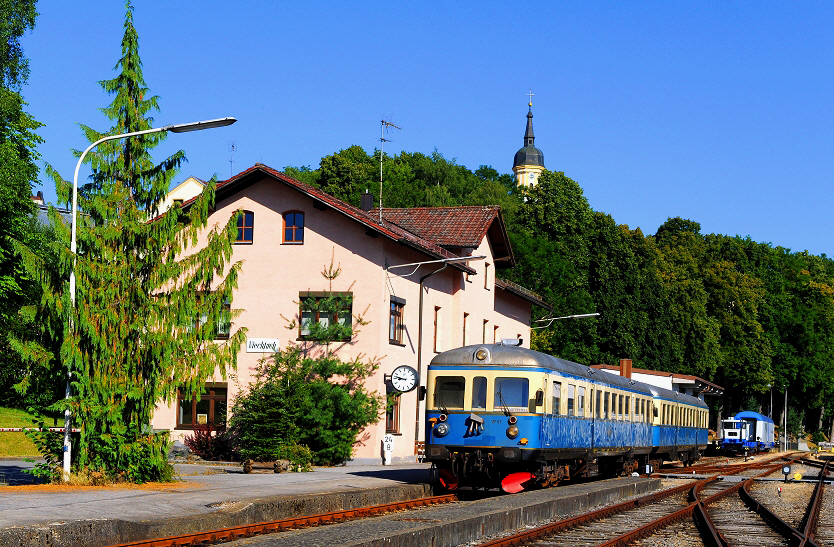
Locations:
(420, 350)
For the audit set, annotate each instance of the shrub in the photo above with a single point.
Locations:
(818, 437)
(213, 445)
(299, 400)
(298, 455)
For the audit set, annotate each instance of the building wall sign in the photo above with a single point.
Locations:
(262, 345)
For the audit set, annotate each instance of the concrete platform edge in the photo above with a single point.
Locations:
(506, 521)
(106, 532)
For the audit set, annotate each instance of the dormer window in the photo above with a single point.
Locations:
(294, 228)
(245, 227)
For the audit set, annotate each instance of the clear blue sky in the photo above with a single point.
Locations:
(720, 112)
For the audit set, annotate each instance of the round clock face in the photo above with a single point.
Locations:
(404, 378)
(531, 176)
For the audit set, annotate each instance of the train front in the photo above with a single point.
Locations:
(482, 429)
(736, 433)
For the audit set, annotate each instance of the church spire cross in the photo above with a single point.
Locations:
(531, 98)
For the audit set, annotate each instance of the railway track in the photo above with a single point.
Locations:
(660, 519)
(237, 532)
(710, 514)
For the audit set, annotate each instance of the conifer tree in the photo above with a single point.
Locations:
(149, 301)
(18, 175)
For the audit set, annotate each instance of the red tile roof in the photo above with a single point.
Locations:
(426, 229)
(463, 226)
(259, 170)
(706, 385)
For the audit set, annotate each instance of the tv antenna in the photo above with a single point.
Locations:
(383, 129)
(232, 148)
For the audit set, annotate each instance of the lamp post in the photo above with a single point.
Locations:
(446, 262)
(786, 419)
(177, 128)
(552, 319)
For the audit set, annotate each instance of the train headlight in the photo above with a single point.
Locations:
(481, 354)
(442, 417)
(512, 420)
(441, 429)
(512, 431)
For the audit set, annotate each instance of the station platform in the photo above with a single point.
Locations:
(211, 497)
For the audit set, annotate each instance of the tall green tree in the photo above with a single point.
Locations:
(552, 228)
(150, 301)
(18, 176)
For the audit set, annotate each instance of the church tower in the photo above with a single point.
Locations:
(528, 163)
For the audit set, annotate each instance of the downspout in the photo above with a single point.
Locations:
(420, 352)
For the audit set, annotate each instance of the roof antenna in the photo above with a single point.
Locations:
(382, 141)
(232, 148)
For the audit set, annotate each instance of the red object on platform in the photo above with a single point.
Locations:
(516, 482)
(448, 480)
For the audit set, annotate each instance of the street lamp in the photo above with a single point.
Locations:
(446, 262)
(178, 128)
(552, 319)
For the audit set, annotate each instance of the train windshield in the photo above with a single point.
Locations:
(448, 392)
(512, 393)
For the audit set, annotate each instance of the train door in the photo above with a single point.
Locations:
(552, 411)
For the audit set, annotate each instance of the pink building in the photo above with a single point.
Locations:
(288, 233)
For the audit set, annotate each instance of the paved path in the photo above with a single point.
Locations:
(204, 489)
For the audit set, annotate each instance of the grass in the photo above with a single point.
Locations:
(13, 417)
(16, 444)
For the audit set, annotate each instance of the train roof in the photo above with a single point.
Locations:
(515, 356)
(754, 415)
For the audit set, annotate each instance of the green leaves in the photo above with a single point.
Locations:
(319, 402)
(149, 299)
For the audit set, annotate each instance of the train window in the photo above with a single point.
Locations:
(571, 397)
(557, 398)
(627, 407)
(605, 406)
(479, 391)
(599, 405)
(580, 402)
(448, 392)
(620, 407)
(513, 393)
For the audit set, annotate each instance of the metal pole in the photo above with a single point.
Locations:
(420, 350)
(786, 419)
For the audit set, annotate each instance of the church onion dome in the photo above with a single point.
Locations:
(529, 155)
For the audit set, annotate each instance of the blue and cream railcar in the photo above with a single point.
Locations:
(679, 426)
(747, 432)
(510, 416)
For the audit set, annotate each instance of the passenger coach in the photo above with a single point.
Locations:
(500, 415)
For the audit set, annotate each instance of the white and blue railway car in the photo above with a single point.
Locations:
(512, 417)
(747, 432)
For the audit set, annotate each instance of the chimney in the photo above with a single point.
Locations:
(367, 201)
(625, 368)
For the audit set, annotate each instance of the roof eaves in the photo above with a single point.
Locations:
(524, 293)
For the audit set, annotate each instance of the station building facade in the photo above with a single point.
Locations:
(290, 231)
